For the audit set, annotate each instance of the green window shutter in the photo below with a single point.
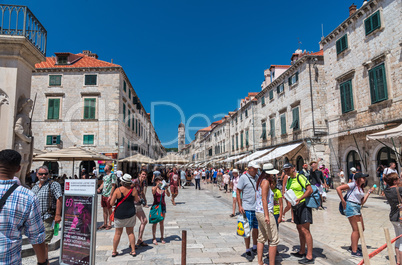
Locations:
(90, 80)
(283, 124)
(290, 81)
(54, 80)
(297, 77)
(381, 83)
(124, 112)
(344, 42)
(263, 100)
(129, 118)
(375, 21)
(338, 46)
(367, 25)
(50, 109)
(241, 140)
(129, 93)
(124, 86)
(343, 98)
(89, 108)
(372, 86)
(49, 140)
(246, 138)
(56, 108)
(295, 123)
(272, 129)
(271, 94)
(58, 139)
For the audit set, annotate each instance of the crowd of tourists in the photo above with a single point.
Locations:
(258, 193)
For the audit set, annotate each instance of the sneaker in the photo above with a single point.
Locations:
(297, 254)
(249, 256)
(306, 261)
(254, 252)
(357, 253)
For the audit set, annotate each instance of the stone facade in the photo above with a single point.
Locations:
(364, 52)
(119, 125)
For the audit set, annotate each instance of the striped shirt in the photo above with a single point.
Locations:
(43, 195)
(21, 212)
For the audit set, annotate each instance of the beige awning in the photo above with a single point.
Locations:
(73, 154)
(172, 159)
(278, 152)
(138, 158)
(254, 156)
(386, 134)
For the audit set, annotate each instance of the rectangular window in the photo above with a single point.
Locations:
(283, 124)
(129, 119)
(246, 138)
(124, 112)
(129, 94)
(62, 60)
(264, 131)
(54, 80)
(52, 139)
(246, 113)
(342, 44)
(132, 123)
(378, 84)
(263, 100)
(293, 79)
(271, 94)
(372, 23)
(136, 126)
(241, 116)
(295, 123)
(237, 142)
(88, 139)
(89, 108)
(346, 96)
(241, 140)
(279, 89)
(90, 80)
(272, 127)
(53, 109)
(124, 86)
(232, 143)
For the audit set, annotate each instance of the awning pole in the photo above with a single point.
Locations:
(360, 155)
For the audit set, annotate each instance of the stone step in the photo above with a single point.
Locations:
(27, 249)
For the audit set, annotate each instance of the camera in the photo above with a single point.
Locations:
(142, 201)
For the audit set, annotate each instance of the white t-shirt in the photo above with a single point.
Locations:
(270, 199)
(119, 173)
(342, 176)
(197, 175)
(203, 173)
(388, 171)
(355, 194)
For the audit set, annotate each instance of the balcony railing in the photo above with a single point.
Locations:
(19, 21)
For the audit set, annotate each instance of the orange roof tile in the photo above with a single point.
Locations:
(206, 129)
(321, 52)
(84, 62)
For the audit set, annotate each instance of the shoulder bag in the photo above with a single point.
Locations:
(6, 195)
(115, 208)
(155, 214)
(346, 197)
(314, 200)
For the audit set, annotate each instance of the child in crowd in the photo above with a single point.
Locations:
(278, 203)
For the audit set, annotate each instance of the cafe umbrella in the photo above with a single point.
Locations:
(73, 153)
(172, 159)
(138, 158)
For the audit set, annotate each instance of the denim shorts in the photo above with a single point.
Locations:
(352, 209)
(252, 220)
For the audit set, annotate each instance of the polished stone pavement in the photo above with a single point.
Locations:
(211, 235)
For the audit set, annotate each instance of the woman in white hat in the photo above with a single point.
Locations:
(124, 214)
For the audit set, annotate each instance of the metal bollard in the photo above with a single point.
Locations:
(183, 247)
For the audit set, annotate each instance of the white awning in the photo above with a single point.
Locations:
(254, 156)
(230, 159)
(394, 132)
(278, 152)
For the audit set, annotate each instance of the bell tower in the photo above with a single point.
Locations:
(181, 137)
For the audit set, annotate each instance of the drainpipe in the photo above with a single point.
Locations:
(311, 95)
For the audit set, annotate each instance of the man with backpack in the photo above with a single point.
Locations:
(303, 215)
(50, 199)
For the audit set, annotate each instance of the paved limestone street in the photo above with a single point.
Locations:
(211, 235)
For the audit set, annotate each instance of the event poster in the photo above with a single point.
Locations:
(76, 244)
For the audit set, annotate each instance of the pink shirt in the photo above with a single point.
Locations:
(235, 181)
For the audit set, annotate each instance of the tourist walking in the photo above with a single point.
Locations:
(303, 216)
(226, 179)
(393, 194)
(341, 175)
(138, 184)
(124, 214)
(197, 178)
(214, 175)
(107, 187)
(355, 199)
(159, 198)
(203, 175)
(21, 212)
(156, 174)
(380, 176)
(235, 181)
(183, 177)
(247, 187)
(51, 201)
(219, 179)
(264, 211)
(390, 169)
(174, 184)
(317, 179)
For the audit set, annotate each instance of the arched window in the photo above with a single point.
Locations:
(299, 163)
(385, 156)
(353, 160)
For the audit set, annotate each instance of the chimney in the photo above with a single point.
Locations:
(90, 54)
(352, 9)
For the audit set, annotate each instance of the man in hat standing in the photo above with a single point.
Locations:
(247, 186)
(352, 174)
(303, 215)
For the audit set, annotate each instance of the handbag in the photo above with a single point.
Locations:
(346, 197)
(155, 214)
(243, 226)
(112, 215)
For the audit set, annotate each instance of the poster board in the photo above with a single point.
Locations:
(78, 238)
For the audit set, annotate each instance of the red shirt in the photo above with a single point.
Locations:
(174, 179)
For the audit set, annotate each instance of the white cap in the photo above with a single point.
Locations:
(253, 164)
(235, 171)
(353, 169)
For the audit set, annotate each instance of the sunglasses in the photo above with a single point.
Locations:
(43, 174)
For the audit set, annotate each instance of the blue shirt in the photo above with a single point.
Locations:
(215, 173)
(21, 212)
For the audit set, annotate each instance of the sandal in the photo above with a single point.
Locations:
(142, 244)
(133, 254)
(154, 242)
(108, 227)
(163, 241)
(232, 215)
(114, 254)
(101, 227)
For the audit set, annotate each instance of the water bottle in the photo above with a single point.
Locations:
(56, 229)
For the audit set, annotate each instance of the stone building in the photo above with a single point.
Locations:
(363, 83)
(181, 139)
(84, 101)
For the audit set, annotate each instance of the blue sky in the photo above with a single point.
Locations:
(201, 55)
